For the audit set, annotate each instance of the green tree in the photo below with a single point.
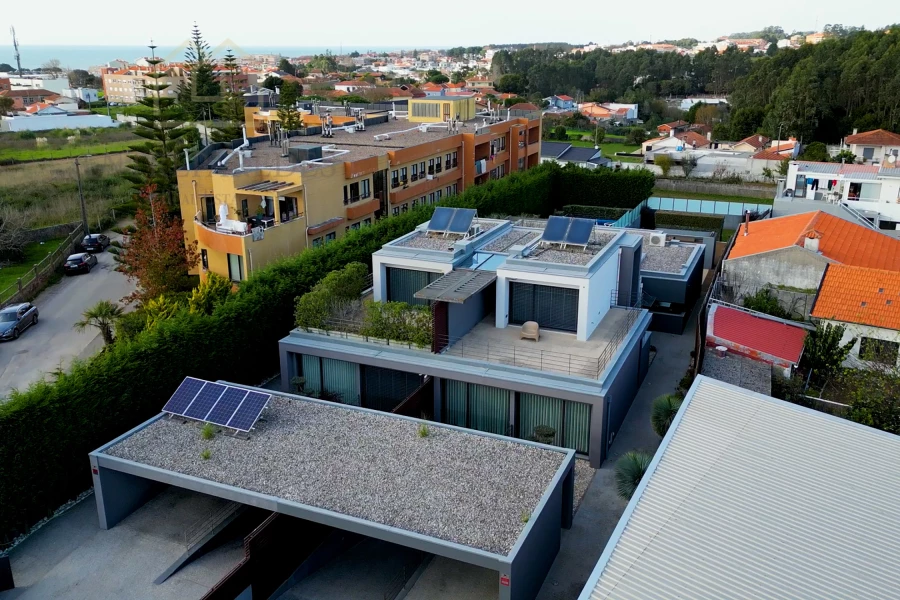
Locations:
(784, 166)
(691, 114)
(664, 162)
(162, 124)
(286, 66)
(815, 152)
(157, 310)
(823, 352)
(288, 114)
(435, 76)
(844, 156)
(354, 54)
(512, 83)
(457, 77)
(201, 91)
(211, 292)
(630, 469)
(231, 108)
(272, 81)
(763, 301)
(103, 316)
(874, 397)
(599, 135)
(636, 135)
(663, 412)
(514, 100)
(6, 105)
(560, 133)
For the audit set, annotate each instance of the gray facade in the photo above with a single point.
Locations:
(610, 394)
(675, 294)
(792, 267)
(122, 486)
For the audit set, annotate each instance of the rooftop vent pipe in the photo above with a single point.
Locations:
(746, 222)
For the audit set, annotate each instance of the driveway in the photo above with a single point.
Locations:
(53, 343)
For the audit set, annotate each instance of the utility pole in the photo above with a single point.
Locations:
(84, 219)
(12, 30)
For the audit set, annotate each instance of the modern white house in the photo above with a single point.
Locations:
(878, 147)
(866, 302)
(82, 93)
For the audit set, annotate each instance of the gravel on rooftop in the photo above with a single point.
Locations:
(436, 241)
(669, 259)
(737, 370)
(515, 237)
(574, 255)
(460, 487)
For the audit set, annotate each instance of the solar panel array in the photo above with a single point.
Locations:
(225, 405)
(568, 230)
(451, 220)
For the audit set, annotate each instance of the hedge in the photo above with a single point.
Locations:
(47, 431)
(593, 212)
(695, 221)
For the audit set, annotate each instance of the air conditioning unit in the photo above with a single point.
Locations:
(658, 239)
(474, 230)
(429, 177)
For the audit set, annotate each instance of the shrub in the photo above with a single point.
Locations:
(593, 212)
(763, 301)
(544, 434)
(525, 517)
(679, 220)
(206, 454)
(663, 412)
(211, 292)
(398, 321)
(630, 470)
(208, 431)
(423, 431)
(664, 162)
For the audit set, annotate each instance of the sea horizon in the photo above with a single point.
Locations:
(86, 56)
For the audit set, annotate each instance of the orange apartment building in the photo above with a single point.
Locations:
(251, 205)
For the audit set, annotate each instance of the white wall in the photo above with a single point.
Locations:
(38, 123)
(600, 287)
(853, 330)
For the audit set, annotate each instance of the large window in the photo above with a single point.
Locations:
(550, 307)
(329, 379)
(236, 267)
(476, 406)
(880, 351)
(426, 109)
(402, 284)
(571, 421)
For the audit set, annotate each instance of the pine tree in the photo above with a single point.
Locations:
(163, 127)
(201, 90)
(288, 114)
(231, 108)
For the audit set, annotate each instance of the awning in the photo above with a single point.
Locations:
(267, 186)
(456, 286)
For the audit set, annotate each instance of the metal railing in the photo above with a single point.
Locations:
(26, 284)
(709, 207)
(195, 533)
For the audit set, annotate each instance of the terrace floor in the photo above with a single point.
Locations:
(556, 351)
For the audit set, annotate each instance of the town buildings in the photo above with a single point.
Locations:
(127, 86)
(24, 98)
(877, 147)
(564, 153)
(275, 196)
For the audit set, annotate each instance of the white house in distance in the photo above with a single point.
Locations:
(878, 147)
(84, 94)
(353, 86)
(867, 303)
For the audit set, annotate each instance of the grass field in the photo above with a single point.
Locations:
(35, 252)
(64, 143)
(698, 196)
(47, 192)
(28, 155)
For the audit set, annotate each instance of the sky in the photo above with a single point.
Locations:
(431, 25)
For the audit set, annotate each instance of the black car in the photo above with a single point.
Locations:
(95, 242)
(80, 263)
(17, 318)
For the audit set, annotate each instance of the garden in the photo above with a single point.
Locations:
(28, 146)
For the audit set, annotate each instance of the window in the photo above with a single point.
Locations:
(351, 193)
(438, 195)
(521, 164)
(395, 178)
(422, 169)
(355, 226)
(403, 179)
(453, 157)
(502, 143)
(317, 242)
(367, 222)
(437, 165)
(415, 172)
(431, 166)
(476, 406)
(395, 211)
(404, 208)
(245, 210)
(449, 193)
(235, 267)
(880, 351)
(329, 237)
(449, 164)
(204, 259)
(431, 197)
(365, 192)
(426, 109)
(210, 205)
(415, 203)
(868, 153)
(455, 189)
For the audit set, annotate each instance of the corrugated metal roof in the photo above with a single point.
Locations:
(752, 497)
(757, 332)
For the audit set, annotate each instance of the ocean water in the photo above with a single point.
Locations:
(83, 57)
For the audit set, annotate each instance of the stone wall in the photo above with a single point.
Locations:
(48, 233)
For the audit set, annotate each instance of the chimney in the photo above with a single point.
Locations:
(811, 241)
(855, 130)
(761, 140)
(709, 136)
(746, 222)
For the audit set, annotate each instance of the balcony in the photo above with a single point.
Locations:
(355, 199)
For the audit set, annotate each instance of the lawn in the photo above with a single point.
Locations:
(68, 151)
(35, 252)
(698, 196)
(726, 234)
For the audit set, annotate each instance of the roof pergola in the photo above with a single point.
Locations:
(456, 286)
(266, 187)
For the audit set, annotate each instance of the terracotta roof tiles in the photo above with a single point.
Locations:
(859, 295)
(878, 137)
(755, 140)
(839, 240)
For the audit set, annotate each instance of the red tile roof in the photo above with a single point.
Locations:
(692, 138)
(28, 93)
(769, 154)
(839, 240)
(672, 125)
(524, 106)
(758, 333)
(859, 295)
(565, 98)
(755, 140)
(878, 137)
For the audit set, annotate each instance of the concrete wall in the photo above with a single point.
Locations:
(751, 190)
(620, 389)
(793, 267)
(53, 231)
(854, 330)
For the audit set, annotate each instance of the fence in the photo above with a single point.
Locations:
(708, 207)
(629, 218)
(29, 284)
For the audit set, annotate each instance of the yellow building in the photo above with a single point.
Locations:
(264, 200)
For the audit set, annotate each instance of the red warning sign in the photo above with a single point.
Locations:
(504, 580)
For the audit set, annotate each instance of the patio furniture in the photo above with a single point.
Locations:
(531, 331)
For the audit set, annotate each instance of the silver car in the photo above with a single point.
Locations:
(17, 318)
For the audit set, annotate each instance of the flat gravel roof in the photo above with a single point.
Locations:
(460, 487)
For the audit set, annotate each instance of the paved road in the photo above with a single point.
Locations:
(53, 342)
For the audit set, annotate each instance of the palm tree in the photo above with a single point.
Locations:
(103, 316)
(663, 412)
(630, 470)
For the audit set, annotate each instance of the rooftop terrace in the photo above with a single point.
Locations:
(573, 255)
(461, 487)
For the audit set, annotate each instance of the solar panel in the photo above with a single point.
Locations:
(580, 232)
(224, 405)
(440, 219)
(461, 221)
(556, 228)
(183, 396)
(204, 401)
(247, 414)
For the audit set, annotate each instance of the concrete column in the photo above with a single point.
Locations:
(568, 499)
(438, 400)
(119, 494)
(501, 310)
(288, 364)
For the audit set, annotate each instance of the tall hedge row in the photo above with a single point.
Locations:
(696, 221)
(602, 187)
(47, 431)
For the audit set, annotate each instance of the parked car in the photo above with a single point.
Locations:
(94, 242)
(80, 263)
(17, 318)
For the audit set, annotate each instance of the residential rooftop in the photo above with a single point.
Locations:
(462, 487)
(673, 258)
(859, 295)
(573, 255)
(425, 240)
(738, 370)
(753, 497)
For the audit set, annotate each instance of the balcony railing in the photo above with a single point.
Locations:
(414, 177)
(357, 198)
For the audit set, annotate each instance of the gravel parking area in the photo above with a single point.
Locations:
(460, 487)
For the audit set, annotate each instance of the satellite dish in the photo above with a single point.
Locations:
(892, 159)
